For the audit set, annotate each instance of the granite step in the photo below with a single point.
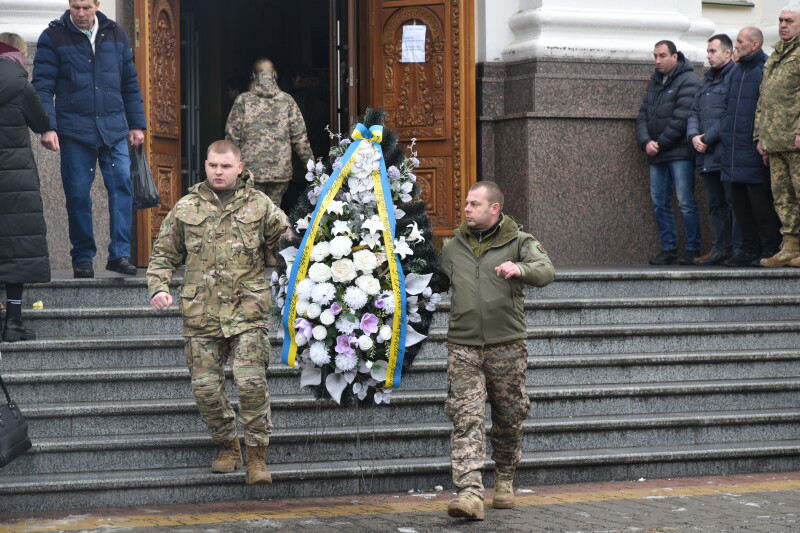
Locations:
(194, 485)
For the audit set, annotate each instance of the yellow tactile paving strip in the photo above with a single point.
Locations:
(89, 523)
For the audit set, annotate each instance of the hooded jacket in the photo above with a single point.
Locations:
(709, 106)
(741, 162)
(665, 111)
(487, 309)
(266, 124)
(97, 97)
(23, 234)
(778, 110)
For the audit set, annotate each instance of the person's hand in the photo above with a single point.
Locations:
(759, 149)
(699, 145)
(797, 141)
(161, 301)
(508, 270)
(50, 140)
(765, 160)
(136, 137)
(651, 148)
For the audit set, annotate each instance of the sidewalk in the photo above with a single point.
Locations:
(764, 503)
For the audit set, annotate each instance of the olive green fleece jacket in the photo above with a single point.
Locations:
(487, 309)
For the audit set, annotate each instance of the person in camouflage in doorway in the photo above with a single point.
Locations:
(488, 263)
(777, 131)
(221, 231)
(266, 124)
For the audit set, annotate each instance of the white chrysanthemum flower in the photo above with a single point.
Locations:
(304, 288)
(355, 298)
(346, 363)
(319, 353)
(327, 318)
(300, 339)
(365, 261)
(368, 284)
(343, 271)
(320, 251)
(313, 311)
(365, 342)
(319, 333)
(319, 272)
(323, 293)
(346, 326)
(387, 302)
(301, 307)
(340, 246)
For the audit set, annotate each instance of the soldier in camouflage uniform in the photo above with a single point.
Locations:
(488, 263)
(777, 130)
(221, 230)
(266, 124)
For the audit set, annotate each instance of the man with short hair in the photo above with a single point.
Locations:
(777, 131)
(743, 168)
(661, 134)
(83, 60)
(702, 131)
(488, 262)
(222, 231)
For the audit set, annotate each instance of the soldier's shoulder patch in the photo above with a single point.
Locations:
(541, 248)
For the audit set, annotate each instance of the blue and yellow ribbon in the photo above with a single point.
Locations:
(363, 137)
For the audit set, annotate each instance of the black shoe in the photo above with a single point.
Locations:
(688, 257)
(715, 258)
(15, 331)
(83, 270)
(121, 265)
(666, 257)
(742, 259)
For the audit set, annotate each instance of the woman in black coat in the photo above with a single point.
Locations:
(23, 242)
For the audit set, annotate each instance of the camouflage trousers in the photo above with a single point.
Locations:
(248, 354)
(274, 189)
(784, 168)
(473, 374)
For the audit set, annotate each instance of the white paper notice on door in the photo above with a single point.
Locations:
(413, 44)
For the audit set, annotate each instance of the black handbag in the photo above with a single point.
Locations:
(145, 192)
(14, 440)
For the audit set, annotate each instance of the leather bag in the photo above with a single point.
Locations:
(14, 440)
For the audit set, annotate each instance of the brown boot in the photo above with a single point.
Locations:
(256, 466)
(466, 505)
(229, 458)
(503, 494)
(790, 249)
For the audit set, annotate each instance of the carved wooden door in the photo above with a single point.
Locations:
(431, 100)
(157, 50)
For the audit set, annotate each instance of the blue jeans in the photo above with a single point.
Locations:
(77, 174)
(727, 237)
(663, 177)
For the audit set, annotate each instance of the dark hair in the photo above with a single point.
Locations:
(493, 192)
(723, 39)
(670, 46)
(224, 147)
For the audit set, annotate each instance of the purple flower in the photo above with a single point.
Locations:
(344, 142)
(343, 345)
(415, 162)
(304, 326)
(336, 308)
(393, 172)
(379, 303)
(369, 323)
(337, 165)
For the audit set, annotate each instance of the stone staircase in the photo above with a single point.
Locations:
(633, 372)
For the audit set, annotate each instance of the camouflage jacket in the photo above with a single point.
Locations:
(778, 112)
(224, 291)
(265, 123)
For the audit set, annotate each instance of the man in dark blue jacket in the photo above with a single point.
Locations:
(83, 61)
(661, 133)
(703, 132)
(742, 166)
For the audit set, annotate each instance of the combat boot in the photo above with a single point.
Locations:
(229, 458)
(789, 250)
(466, 505)
(795, 262)
(257, 472)
(503, 494)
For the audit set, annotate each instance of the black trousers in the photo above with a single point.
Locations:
(754, 209)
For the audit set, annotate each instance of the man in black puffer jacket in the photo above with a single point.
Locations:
(703, 132)
(661, 133)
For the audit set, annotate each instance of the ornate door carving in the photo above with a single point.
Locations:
(432, 101)
(157, 50)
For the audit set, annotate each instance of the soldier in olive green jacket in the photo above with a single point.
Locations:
(777, 131)
(221, 231)
(488, 263)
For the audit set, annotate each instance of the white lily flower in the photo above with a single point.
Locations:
(374, 224)
(402, 248)
(310, 165)
(415, 235)
(335, 207)
(340, 226)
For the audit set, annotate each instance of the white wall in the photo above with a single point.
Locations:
(30, 17)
